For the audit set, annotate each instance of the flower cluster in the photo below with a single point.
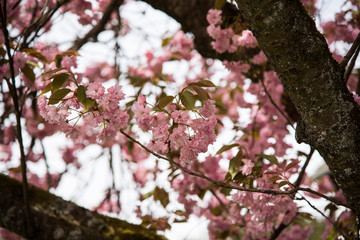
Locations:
(174, 130)
(104, 111)
(226, 39)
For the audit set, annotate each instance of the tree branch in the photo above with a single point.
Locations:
(15, 98)
(275, 105)
(55, 218)
(351, 52)
(351, 65)
(326, 217)
(36, 26)
(94, 32)
(228, 186)
(301, 174)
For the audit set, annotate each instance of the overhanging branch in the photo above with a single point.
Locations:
(55, 218)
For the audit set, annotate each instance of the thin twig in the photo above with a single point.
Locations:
(358, 228)
(301, 175)
(279, 229)
(351, 65)
(14, 95)
(224, 185)
(275, 105)
(111, 165)
(35, 27)
(94, 32)
(326, 217)
(351, 52)
(219, 200)
(330, 199)
(48, 177)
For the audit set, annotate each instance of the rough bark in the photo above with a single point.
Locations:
(55, 218)
(312, 78)
(315, 84)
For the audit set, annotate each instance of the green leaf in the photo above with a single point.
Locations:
(273, 179)
(146, 195)
(138, 81)
(203, 83)
(203, 95)
(59, 80)
(226, 147)
(216, 211)
(32, 63)
(180, 213)
(225, 191)
(88, 103)
(67, 53)
(241, 178)
(271, 172)
(283, 183)
(292, 164)
(35, 53)
(80, 94)
(51, 72)
(28, 72)
(46, 89)
(219, 4)
(270, 158)
(58, 95)
(234, 165)
(187, 99)
(201, 194)
(166, 41)
(161, 195)
(164, 101)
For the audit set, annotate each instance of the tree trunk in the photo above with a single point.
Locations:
(55, 218)
(312, 78)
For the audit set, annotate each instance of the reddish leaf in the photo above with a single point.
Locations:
(291, 165)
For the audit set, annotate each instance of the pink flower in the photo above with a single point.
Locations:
(106, 135)
(19, 60)
(247, 168)
(357, 98)
(158, 146)
(69, 62)
(95, 90)
(214, 31)
(142, 114)
(180, 44)
(68, 155)
(208, 109)
(180, 116)
(188, 153)
(54, 115)
(161, 132)
(140, 175)
(247, 39)
(260, 58)
(178, 137)
(116, 93)
(214, 16)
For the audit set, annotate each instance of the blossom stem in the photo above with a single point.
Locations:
(301, 175)
(275, 105)
(228, 186)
